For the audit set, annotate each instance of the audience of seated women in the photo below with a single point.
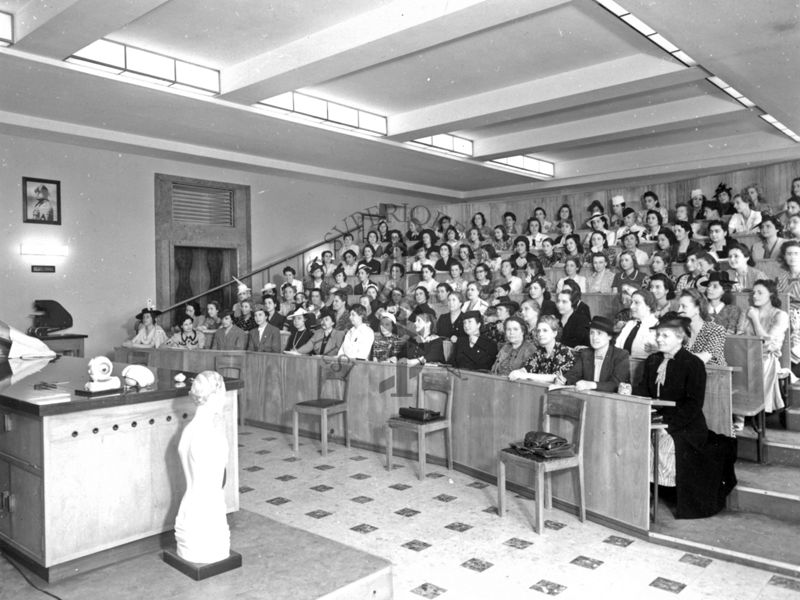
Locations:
(707, 338)
(651, 203)
(629, 225)
(299, 335)
(630, 243)
(601, 366)
(358, 340)
(187, 338)
(517, 349)
(149, 333)
(228, 336)
(575, 324)
(693, 460)
(472, 351)
(721, 307)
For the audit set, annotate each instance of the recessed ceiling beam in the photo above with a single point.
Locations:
(374, 37)
(596, 83)
(642, 121)
(59, 28)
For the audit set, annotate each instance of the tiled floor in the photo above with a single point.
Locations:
(446, 540)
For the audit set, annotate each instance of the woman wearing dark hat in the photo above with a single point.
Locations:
(551, 360)
(696, 462)
(473, 351)
(721, 308)
(768, 244)
(149, 334)
(707, 339)
(742, 271)
(602, 366)
(723, 195)
(316, 279)
(517, 350)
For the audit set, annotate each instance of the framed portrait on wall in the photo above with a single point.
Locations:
(41, 201)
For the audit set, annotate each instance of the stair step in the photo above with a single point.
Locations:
(772, 490)
(742, 537)
(793, 419)
(782, 446)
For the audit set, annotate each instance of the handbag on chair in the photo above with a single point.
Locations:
(419, 414)
(543, 444)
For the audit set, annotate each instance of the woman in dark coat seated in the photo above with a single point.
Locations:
(698, 463)
(575, 323)
(473, 351)
(601, 367)
(426, 346)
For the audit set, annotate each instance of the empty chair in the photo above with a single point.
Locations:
(441, 383)
(558, 407)
(232, 366)
(324, 406)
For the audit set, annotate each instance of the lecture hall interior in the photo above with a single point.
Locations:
(561, 237)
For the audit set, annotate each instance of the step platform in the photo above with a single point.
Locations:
(279, 562)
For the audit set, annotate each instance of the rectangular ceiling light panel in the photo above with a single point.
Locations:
(6, 29)
(150, 63)
(104, 52)
(197, 76)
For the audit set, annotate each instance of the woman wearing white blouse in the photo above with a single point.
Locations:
(358, 339)
(746, 217)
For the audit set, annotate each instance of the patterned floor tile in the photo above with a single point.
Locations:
(444, 498)
(407, 512)
(254, 469)
(286, 478)
(434, 475)
(362, 499)
(554, 525)
(586, 562)
(400, 486)
(364, 528)
(269, 439)
(478, 485)
(263, 452)
(291, 459)
(358, 458)
(322, 488)
(518, 543)
(492, 510)
(360, 476)
(324, 467)
(416, 545)
(428, 590)
(396, 466)
(697, 561)
(244, 489)
(318, 514)
(668, 585)
(548, 587)
(278, 501)
(785, 582)
(245, 433)
(616, 540)
(459, 527)
(477, 564)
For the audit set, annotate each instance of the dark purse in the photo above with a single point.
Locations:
(419, 414)
(543, 444)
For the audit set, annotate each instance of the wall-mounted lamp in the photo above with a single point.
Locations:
(43, 250)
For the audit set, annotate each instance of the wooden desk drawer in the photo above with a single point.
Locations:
(21, 437)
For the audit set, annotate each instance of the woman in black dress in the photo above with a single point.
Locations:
(697, 462)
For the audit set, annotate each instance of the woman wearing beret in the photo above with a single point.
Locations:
(149, 334)
(473, 351)
(697, 463)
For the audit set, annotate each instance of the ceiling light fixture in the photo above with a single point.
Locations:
(315, 108)
(6, 29)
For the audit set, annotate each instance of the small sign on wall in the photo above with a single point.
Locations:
(43, 269)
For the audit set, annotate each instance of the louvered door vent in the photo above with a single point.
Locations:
(202, 205)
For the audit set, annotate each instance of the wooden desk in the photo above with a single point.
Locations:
(82, 476)
(67, 344)
(489, 412)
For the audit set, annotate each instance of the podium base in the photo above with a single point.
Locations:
(198, 571)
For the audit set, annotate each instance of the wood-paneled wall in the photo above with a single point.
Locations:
(773, 180)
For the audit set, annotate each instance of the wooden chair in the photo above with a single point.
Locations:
(748, 384)
(324, 407)
(562, 407)
(427, 382)
(232, 365)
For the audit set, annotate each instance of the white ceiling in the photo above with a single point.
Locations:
(562, 79)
